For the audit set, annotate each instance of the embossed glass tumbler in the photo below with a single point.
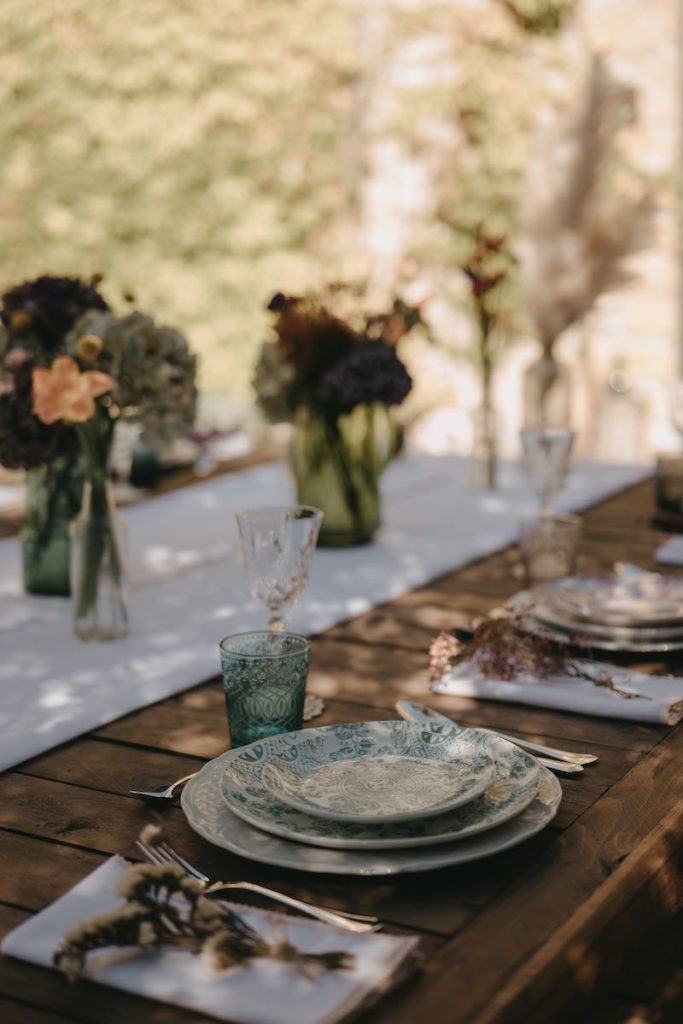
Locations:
(264, 679)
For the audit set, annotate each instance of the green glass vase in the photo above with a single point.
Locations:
(337, 464)
(53, 499)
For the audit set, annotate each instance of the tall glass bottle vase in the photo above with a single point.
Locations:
(53, 499)
(483, 469)
(97, 544)
(337, 464)
(547, 393)
(483, 466)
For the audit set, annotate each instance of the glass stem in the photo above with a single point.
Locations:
(276, 623)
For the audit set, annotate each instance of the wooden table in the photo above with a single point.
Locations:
(520, 936)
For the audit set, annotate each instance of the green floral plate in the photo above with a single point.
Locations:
(378, 772)
(512, 789)
(209, 816)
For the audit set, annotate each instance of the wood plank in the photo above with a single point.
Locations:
(641, 892)
(110, 767)
(34, 872)
(12, 1012)
(195, 722)
(547, 897)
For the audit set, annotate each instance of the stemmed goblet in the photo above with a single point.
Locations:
(546, 456)
(277, 545)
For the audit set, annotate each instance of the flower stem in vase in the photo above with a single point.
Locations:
(100, 610)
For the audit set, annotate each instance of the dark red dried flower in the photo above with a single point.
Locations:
(310, 337)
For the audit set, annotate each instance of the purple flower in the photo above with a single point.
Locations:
(48, 307)
(370, 372)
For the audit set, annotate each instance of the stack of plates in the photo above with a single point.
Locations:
(372, 798)
(638, 614)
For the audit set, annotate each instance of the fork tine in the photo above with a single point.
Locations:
(150, 852)
(174, 857)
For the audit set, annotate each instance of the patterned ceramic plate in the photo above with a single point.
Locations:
(376, 772)
(513, 788)
(208, 814)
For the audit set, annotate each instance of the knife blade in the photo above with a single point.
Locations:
(559, 761)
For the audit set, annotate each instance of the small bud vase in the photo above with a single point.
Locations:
(97, 545)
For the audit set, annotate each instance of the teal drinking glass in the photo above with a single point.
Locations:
(264, 679)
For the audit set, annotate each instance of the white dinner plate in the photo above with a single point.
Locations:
(209, 816)
(641, 600)
(375, 772)
(522, 605)
(547, 613)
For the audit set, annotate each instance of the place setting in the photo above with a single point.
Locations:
(630, 610)
(540, 647)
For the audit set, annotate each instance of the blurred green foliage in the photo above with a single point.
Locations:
(488, 112)
(203, 155)
(189, 151)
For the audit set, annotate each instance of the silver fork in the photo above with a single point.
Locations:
(162, 853)
(165, 793)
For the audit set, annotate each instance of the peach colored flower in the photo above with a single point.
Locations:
(65, 393)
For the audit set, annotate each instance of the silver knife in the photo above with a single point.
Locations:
(558, 761)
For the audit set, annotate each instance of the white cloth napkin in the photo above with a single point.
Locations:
(567, 693)
(264, 992)
(671, 553)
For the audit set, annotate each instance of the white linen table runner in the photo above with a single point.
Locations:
(188, 588)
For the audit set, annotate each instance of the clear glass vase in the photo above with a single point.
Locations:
(337, 464)
(483, 463)
(97, 542)
(53, 498)
(547, 393)
(97, 566)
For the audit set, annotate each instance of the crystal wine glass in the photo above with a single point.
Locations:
(277, 544)
(546, 456)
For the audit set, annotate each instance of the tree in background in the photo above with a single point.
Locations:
(200, 154)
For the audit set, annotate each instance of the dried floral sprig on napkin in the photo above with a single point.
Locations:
(502, 649)
(166, 907)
